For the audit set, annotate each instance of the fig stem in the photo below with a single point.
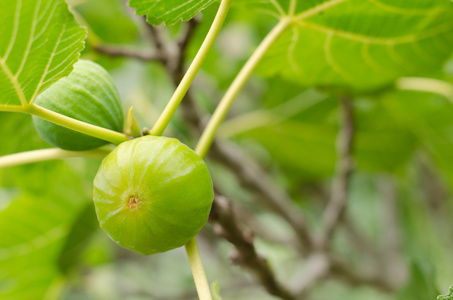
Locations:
(49, 154)
(189, 76)
(222, 109)
(80, 126)
(198, 273)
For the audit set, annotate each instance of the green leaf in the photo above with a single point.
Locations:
(39, 204)
(430, 119)
(447, 297)
(422, 284)
(39, 43)
(80, 234)
(34, 229)
(114, 25)
(169, 11)
(276, 8)
(359, 45)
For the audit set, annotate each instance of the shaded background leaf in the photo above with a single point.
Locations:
(36, 217)
(429, 117)
(305, 144)
(122, 31)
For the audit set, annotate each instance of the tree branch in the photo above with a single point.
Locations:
(184, 42)
(122, 52)
(316, 268)
(156, 36)
(354, 277)
(248, 218)
(225, 225)
(392, 263)
(339, 194)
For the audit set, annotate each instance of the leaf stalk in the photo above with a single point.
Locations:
(185, 83)
(48, 154)
(241, 79)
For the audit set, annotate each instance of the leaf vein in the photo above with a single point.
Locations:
(12, 41)
(38, 87)
(318, 9)
(403, 11)
(376, 40)
(30, 40)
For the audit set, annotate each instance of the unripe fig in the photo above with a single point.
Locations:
(152, 194)
(88, 94)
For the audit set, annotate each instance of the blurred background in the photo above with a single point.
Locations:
(394, 240)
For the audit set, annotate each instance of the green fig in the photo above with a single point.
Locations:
(152, 194)
(88, 94)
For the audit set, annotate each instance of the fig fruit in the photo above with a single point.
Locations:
(88, 94)
(152, 194)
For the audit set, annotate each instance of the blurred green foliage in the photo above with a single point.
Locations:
(50, 244)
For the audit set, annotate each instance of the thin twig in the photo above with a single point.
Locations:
(122, 52)
(184, 42)
(361, 242)
(316, 268)
(354, 277)
(248, 218)
(156, 36)
(392, 262)
(339, 194)
(226, 225)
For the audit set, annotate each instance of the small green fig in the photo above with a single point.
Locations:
(152, 194)
(88, 94)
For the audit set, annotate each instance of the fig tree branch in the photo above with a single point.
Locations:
(123, 52)
(245, 255)
(184, 42)
(250, 220)
(345, 165)
(352, 276)
(317, 267)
